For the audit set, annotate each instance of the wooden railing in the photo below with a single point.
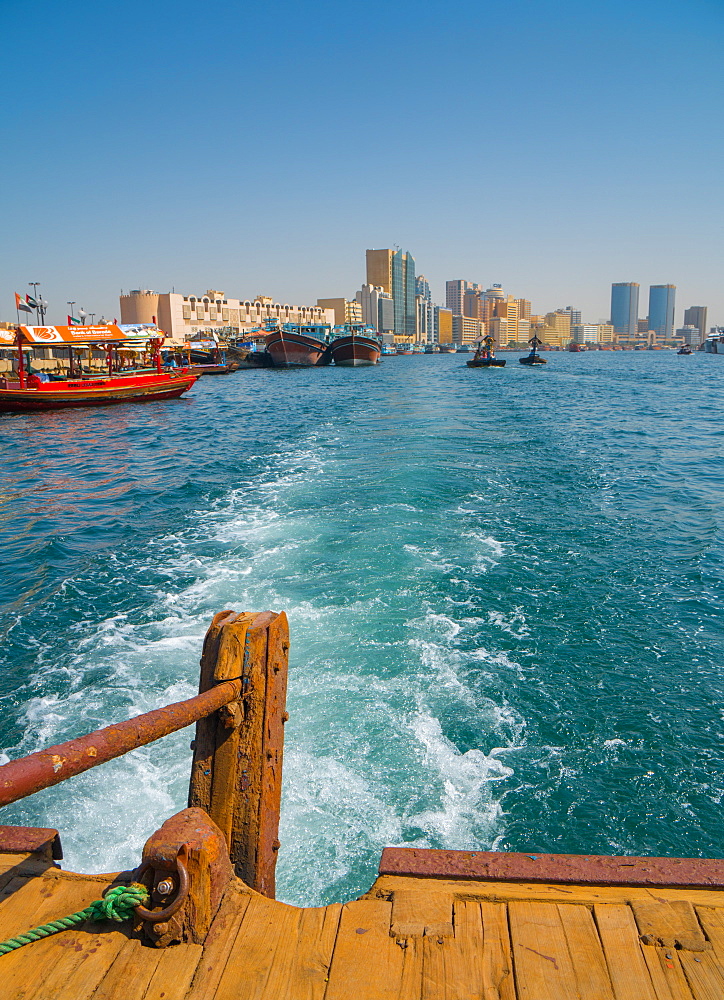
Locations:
(237, 762)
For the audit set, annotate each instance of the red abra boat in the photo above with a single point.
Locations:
(356, 348)
(296, 346)
(33, 392)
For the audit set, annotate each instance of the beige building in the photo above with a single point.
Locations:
(556, 329)
(466, 329)
(186, 317)
(345, 311)
(443, 325)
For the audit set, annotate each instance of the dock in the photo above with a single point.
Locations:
(435, 925)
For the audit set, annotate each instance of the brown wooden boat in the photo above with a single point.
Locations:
(462, 925)
(355, 349)
(293, 346)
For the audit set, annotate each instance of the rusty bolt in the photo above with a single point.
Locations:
(285, 717)
(160, 929)
(192, 745)
(276, 845)
(165, 887)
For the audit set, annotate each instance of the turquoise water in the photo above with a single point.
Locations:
(504, 591)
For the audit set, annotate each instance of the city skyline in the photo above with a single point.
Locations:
(135, 159)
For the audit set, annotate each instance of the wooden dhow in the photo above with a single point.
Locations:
(356, 346)
(461, 925)
(292, 345)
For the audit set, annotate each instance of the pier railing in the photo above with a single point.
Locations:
(237, 760)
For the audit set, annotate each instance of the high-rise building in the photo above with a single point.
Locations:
(523, 308)
(422, 287)
(661, 310)
(696, 316)
(455, 295)
(394, 271)
(443, 325)
(574, 314)
(377, 308)
(688, 334)
(425, 332)
(625, 307)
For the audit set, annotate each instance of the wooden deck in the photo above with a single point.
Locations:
(409, 937)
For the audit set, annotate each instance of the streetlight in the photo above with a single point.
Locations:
(92, 317)
(83, 314)
(71, 304)
(42, 306)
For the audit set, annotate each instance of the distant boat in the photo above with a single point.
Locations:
(463, 349)
(485, 356)
(355, 348)
(447, 348)
(685, 349)
(295, 345)
(533, 358)
(575, 348)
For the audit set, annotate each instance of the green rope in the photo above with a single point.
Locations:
(117, 905)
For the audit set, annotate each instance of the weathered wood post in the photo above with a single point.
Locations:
(237, 765)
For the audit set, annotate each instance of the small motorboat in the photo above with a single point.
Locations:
(485, 356)
(533, 358)
(685, 349)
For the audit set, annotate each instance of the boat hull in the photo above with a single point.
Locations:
(486, 363)
(353, 351)
(533, 361)
(296, 350)
(100, 392)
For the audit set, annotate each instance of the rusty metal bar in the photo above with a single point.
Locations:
(40, 770)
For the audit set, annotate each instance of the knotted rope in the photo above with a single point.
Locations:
(117, 905)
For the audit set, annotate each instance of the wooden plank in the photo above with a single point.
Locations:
(498, 981)
(82, 968)
(543, 968)
(232, 642)
(38, 902)
(626, 966)
(670, 924)
(453, 967)
(277, 669)
(310, 968)
(704, 974)
(712, 920)
(667, 975)
(412, 961)
(261, 960)
(217, 947)
(130, 973)
(504, 891)
(416, 913)
(367, 962)
(174, 972)
(584, 946)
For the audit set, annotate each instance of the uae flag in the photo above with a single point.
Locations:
(73, 321)
(21, 305)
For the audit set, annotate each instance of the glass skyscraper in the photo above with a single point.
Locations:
(403, 294)
(625, 307)
(661, 309)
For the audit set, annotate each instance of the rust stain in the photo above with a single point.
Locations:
(548, 958)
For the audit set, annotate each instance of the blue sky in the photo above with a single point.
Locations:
(554, 147)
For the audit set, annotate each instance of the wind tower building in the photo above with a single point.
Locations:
(662, 300)
(625, 307)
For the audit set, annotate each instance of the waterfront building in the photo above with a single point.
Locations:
(643, 326)
(377, 308)
(556, 329)
(606, 333)
(186, 317)
(523, 309)
(574, 314)
(497, 327)
(696, 316)
(345, 311)
(455, 292)
(625, 307)
(425, 331)
(585, 333)
(661, 310)
(394, 271)
(490, 297)
(467, 329)
(688, 335)
(443, 325)
(422, 287)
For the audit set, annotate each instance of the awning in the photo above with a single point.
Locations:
(109, 333)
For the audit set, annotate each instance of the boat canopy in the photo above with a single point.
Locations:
(106, 333)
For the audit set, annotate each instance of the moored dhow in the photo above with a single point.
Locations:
(33, 391)
(355, 346)
(293, 345)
